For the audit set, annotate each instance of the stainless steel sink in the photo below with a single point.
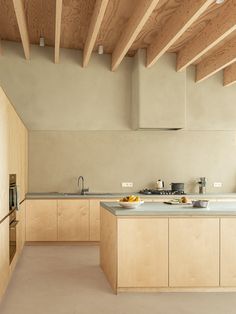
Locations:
(71, 194)
(90, 194)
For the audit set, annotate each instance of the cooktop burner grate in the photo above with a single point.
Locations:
(161, 192)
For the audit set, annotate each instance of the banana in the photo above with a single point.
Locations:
(130, 198)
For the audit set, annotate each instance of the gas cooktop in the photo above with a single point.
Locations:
(161, 192)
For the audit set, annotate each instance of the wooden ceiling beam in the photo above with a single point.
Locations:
(217, 61)
(57, 30)
(187, 13)
(215, 31)
(230, 75)
(21, 20)
(94, 27)
(133, 28)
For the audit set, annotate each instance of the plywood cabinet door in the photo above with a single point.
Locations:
(18, 150)
(73, 220)
(4, 135)
(228, 252)
(4, 255)
(94, 218)
(194, 252)
(20, 236)
(41, 220)
(143, 252)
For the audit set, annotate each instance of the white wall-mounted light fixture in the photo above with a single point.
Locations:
(41, 42)
(100, 49)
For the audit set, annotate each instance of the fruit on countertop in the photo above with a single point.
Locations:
(184, 200)
(131, 198)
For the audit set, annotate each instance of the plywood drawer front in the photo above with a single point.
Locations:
(73, 220)
(143, 252)
(228, 252)
(194, 252)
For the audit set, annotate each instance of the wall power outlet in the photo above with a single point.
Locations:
(217, 184)
(127, 184)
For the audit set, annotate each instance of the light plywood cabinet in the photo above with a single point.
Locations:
(18, 151)
(4, 257)
(143, 252)
(13, 159)
(94, 218)
(4, 147)
(41, 220)
(73, 220)
(194, 252)
(20, 228)
(108, 247)
(228, 252)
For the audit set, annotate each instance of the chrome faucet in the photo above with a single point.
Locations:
(202, 185)
(83, 190)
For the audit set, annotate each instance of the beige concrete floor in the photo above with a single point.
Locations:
(68, 280)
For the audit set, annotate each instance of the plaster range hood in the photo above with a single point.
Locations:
(158, 94)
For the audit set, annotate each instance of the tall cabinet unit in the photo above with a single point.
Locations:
(4, 226)
(13, 159)
(4, 145)
(18, 151)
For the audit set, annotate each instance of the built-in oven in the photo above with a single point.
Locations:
(12, 235)
(13, 193)
(13, 206)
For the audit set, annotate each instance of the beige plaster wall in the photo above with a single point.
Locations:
(106, 159)
(80, 125)
(66, 96)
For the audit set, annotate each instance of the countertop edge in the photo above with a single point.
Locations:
(38, 196)
(196, 212)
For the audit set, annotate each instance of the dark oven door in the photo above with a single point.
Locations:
(12, 239)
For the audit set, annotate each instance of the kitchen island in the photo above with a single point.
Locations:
(160, 247)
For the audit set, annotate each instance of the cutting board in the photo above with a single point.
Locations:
(176, 203)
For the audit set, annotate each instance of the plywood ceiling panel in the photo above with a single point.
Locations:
(41, 20)
(76, 17)
(8, 23)
(115, 20)
(197, 26)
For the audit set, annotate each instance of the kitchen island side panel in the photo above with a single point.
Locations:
(108, 247)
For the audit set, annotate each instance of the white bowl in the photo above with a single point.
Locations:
(130, 204)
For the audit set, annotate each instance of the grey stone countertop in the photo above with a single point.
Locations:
(161, 209)
(55, 195)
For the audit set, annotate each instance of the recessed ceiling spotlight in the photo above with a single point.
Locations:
(219, 1)
(100, 49)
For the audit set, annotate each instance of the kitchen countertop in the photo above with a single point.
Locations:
(55, 195)
(160, 209)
